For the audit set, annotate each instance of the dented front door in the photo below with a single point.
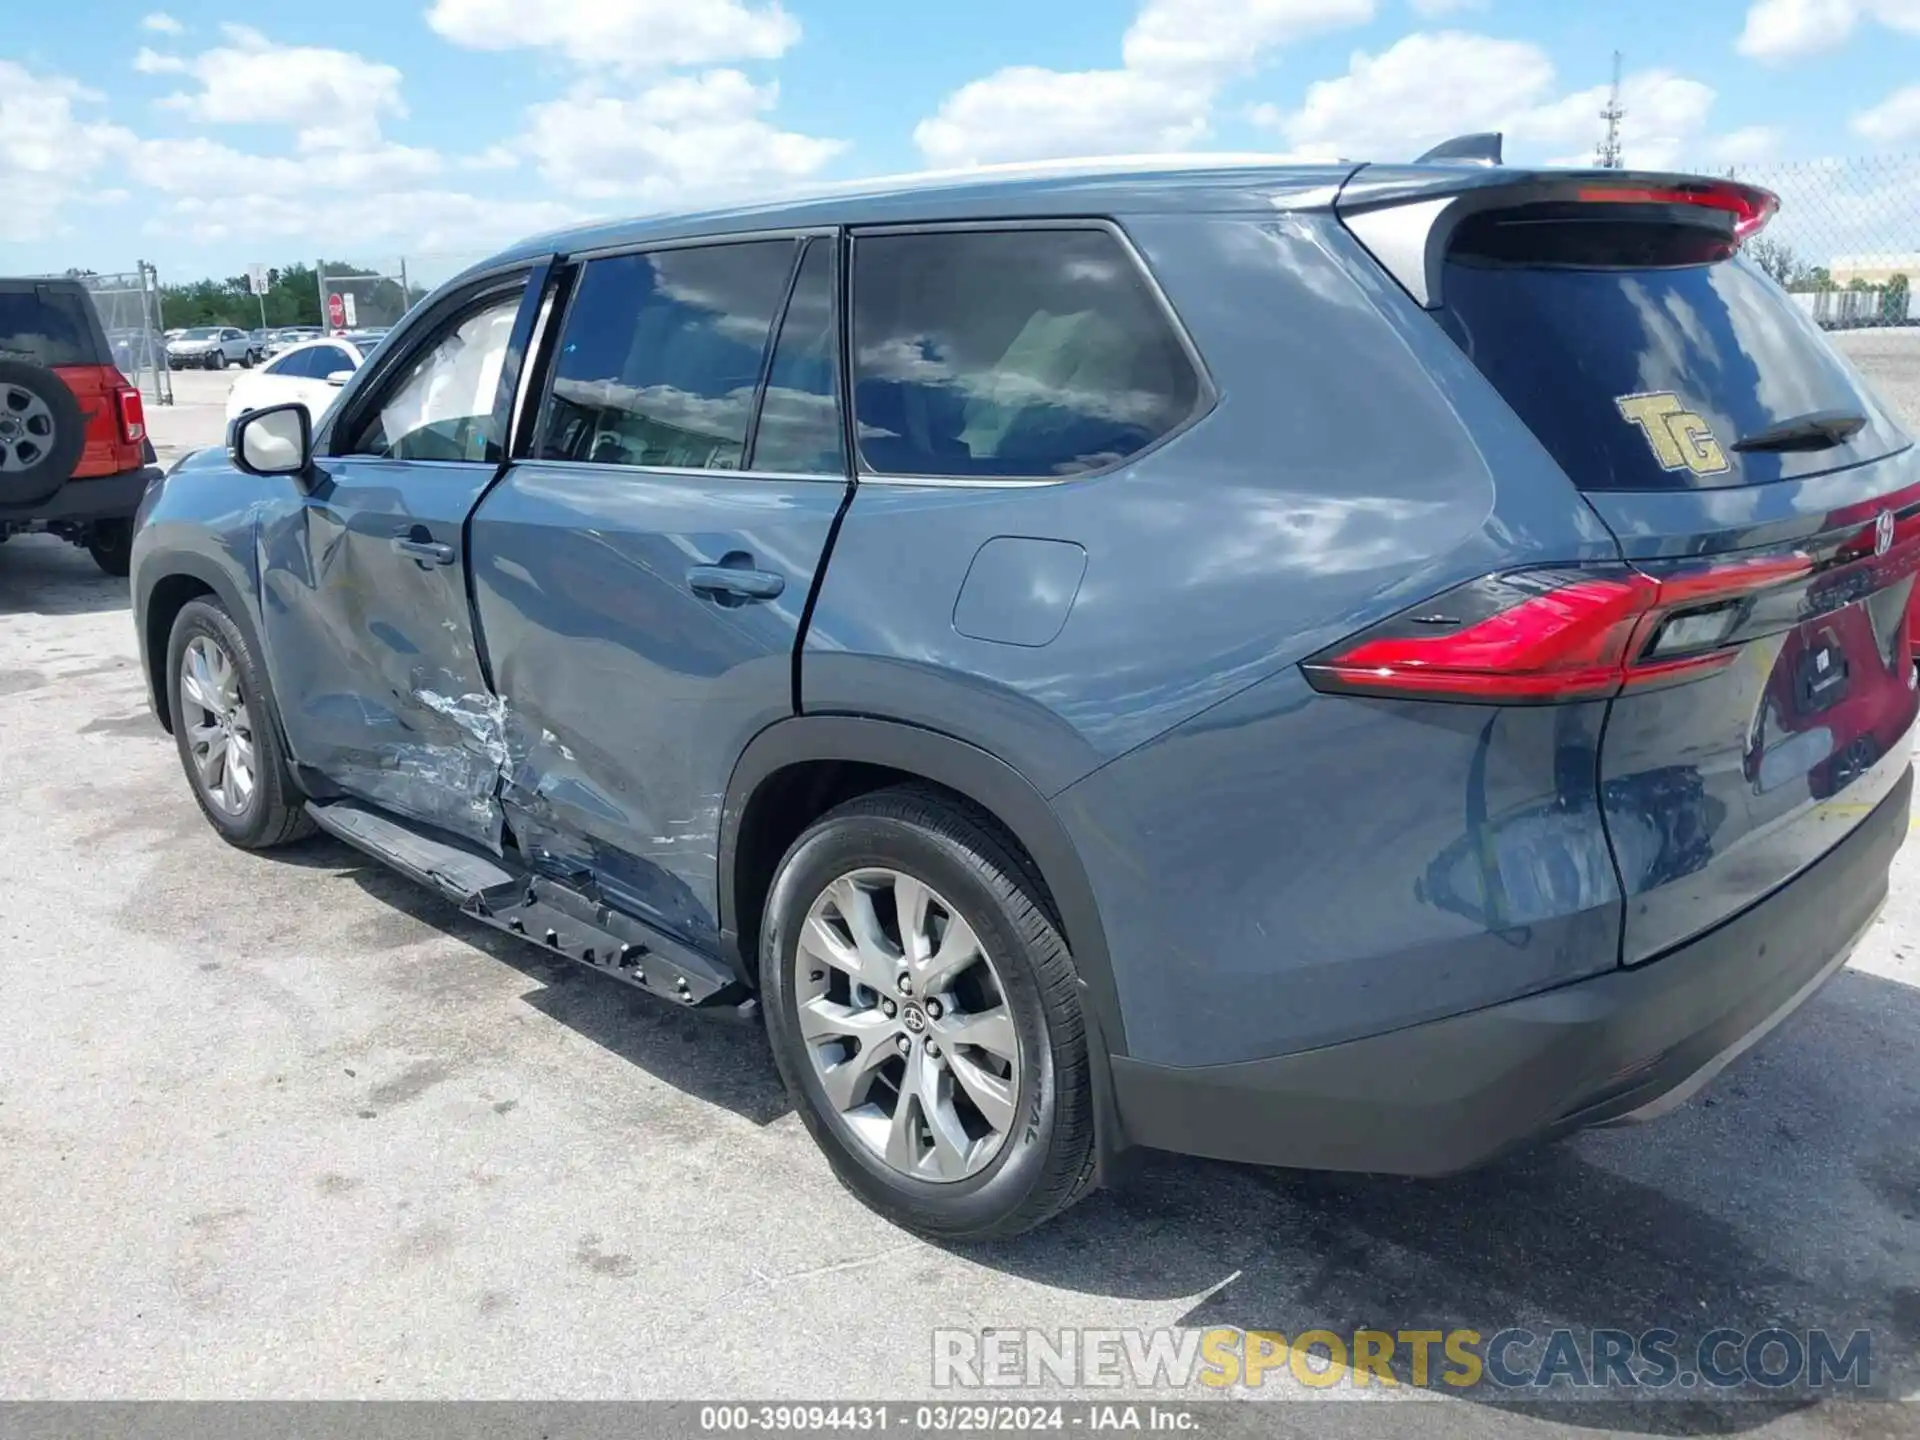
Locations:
(370, 635)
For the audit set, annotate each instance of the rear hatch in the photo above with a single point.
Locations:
(1767, 509)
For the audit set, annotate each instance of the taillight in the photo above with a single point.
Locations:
(132, 411)
(1750, 206)
(1543, 636)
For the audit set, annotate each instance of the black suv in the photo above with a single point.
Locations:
(74, 453)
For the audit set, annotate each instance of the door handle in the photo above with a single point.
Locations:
(427, 552)
(728, 580)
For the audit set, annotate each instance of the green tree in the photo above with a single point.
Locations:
(1893, 301)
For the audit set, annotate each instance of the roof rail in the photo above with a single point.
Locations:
(1480, 148)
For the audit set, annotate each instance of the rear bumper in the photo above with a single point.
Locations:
(1445, 1096)
(103, 497)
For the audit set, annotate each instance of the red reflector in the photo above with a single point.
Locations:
(1544, 636)
(133, 413)
(1750, 206)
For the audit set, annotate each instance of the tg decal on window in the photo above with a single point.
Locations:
(1681, 440)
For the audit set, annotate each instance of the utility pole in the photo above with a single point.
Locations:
(1607, 153)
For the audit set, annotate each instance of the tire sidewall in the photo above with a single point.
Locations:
(833, 848)
(247, 829)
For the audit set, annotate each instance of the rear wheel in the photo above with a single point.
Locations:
(922, 1007)
(227, 734)
(217, 361)
(110, 542)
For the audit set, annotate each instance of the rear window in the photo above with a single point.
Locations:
(46, 327)
(1640, 354)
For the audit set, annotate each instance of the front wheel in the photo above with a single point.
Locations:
(217, 361)
(227, 734)
(923, 1012)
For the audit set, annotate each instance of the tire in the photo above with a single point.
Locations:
(110, 543)
(272, 813)
(246, 361)
(1042, 1160)
(42, 433)
(217, 360)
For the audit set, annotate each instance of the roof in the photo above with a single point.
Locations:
(1130, 184)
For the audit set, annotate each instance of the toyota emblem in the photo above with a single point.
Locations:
(1883, 533)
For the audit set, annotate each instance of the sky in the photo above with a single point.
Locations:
(210, 135)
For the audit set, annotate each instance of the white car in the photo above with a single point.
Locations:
(213, 347)
(312, 373)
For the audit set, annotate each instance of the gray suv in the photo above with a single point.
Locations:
(1356, 667)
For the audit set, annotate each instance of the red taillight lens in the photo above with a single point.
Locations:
(1750, 206)
(1541, 636)
(132, 411)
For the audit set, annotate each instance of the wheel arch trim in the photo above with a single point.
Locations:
(156, 570)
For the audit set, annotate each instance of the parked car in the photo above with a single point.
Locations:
(1313, 665)
(74, 453)
(135, 350)
(311, 374)
(287, 338)
(212, 347)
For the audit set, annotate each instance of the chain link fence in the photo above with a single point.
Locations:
(365, 298)
(129, 307)
(1846, 242)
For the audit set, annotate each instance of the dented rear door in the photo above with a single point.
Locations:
(370, 639)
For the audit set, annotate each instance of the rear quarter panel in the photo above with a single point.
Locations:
(1355, 463)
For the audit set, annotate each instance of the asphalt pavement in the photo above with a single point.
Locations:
(287, 1126)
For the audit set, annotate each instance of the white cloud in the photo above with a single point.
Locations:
(250, 80)
(1436, 9)
(691, 135)
(1176, 56)
(1749, 145)
(414, 223)
(1778, 30)
(1027, 113)
(50, 151)
(152, 62)
(1427, 87)
(631, 35)
(1206, 38)
(161, 23)
(1418, 91)
(1894, 120)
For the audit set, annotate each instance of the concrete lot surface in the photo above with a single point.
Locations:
(288, 1126)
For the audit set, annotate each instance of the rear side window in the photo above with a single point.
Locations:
(662, 354)
(1641, 354)
(1017, 353)
(46, 327)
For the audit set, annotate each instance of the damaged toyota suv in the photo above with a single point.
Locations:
(1355, 667)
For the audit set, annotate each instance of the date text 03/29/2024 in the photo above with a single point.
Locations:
(945, 1417)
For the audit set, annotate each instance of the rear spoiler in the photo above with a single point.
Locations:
(1405, 215)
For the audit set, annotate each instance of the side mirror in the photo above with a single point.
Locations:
(339, 377)
(275, 441)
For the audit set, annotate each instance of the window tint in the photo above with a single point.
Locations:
(292, 366)
(1642, 376)
(45, 328)
(800, 432)
(327, 359)
(441, 406)
(1018, 352)
(662, 355)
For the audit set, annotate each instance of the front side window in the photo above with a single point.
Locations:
(1026, 353)
(293, 366)
(799, 432)
(442, 405)
(661, 356)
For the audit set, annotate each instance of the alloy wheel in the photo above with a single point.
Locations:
(219, 728)
(907, 1025)
(26, 428)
